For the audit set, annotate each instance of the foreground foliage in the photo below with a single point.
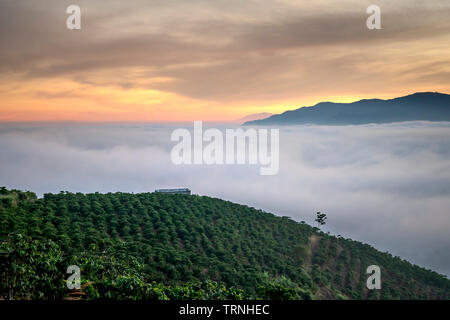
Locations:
(153, 246)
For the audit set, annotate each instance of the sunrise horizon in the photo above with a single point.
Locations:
(221, 62)
(67, 117)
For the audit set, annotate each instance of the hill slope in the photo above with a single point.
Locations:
(180, 238)
(426, 106)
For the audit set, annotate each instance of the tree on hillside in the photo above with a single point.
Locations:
(321, 218)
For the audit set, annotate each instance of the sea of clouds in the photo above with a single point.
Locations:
(386, 185)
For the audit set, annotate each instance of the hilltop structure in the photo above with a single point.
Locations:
(174, 191)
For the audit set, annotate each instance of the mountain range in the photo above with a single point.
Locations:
(421, 106)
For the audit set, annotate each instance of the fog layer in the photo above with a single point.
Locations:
(386, 185)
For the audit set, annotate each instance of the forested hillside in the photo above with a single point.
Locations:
(154, 246)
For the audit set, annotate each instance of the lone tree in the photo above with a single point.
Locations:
(321, 218)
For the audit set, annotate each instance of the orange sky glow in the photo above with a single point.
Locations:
(218, 63)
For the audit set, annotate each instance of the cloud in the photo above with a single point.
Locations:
(226, 51)
(387, 185)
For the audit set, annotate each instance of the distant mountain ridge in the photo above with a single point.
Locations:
(255, 116)
(425, 106)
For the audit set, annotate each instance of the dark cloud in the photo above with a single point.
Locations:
(217, 50)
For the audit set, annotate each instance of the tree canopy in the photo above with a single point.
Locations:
(142, 246)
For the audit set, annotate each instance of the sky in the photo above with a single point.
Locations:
(386, 185)
(213, 60)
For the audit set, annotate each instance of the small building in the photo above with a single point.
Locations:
(174, 191)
